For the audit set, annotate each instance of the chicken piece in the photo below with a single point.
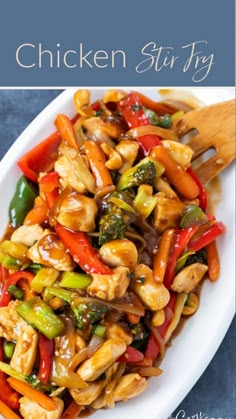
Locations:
(119, 253)
(167, 212)
(50, 251)
(181, 153)
(73, 170)
(128, 150)
(187, 279)
(14, 328)
(115, 330)
(65, 343)
(79, 342)
(129, 385)
(32, 410)
(25, 352)
(77, 212)
(108, 287)
(11, 323)
(154, 295)
(92, 392)
(102, 359)
(27, 235)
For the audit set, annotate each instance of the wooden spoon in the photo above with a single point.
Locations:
(216, 130)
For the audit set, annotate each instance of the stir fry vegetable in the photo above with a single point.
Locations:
(109, 238)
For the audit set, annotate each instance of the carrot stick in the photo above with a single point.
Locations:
(133, 318)
(7, 412)
(37, 396)
(97, 162)
(65, 128)
(37, 215)
(213, 261)
(160, 260)
(183, 182)
(159, 108)
(72, 411)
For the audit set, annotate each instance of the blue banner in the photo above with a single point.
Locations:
(125, 43)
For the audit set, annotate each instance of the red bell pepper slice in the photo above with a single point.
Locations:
(77, 243)
(131, 355)
(134, 115)
(40, 158)
(13, 279)
(7, 394)
(82, 251)
(152, 348)
(182, 238)
(46, 354)
(202, 191)
(3, 274)
(207, 237)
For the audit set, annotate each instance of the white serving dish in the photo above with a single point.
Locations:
(201, 336)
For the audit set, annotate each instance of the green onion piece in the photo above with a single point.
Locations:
(8, 348)
(165, 121)
(15, 291)
(40, 316)
(12, 372)
(44, 278)
(144, 201)
(65, 295)
(75, 280)
(99, 330)
(11, 263)
(121, 204)
(177, 115)
(192, 215)
(182, 260)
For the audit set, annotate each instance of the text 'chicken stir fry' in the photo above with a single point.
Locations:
(108, 240)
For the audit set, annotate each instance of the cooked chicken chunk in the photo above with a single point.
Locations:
(73, 170)
(115, 330)
(128, 150)
(25, 350)
(14, 328)
(102, 359)
(32, 410)
(120, 252)
(154, 295)
(130, 385)
(77, 212)
(50, 251)
(27, 235)
(187, 279)
(93, 391)
(11, 323)
(167, 212)
(108, 287)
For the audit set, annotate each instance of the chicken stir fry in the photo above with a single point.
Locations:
(108, 241)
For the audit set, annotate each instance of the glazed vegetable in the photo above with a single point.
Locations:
(145, 172)
(22, 202)
(39, 315)
(102, 257)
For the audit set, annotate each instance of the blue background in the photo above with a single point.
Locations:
(215, 392)
(125, 24)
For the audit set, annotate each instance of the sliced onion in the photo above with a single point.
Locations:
(167, 134)
(149, 371)
(123, 307)
(180, 302)
(95, 343)
(63, 377)
(109, 402)
(81, 356)
(160, 340)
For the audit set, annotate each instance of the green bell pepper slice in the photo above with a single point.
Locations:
(22, 202)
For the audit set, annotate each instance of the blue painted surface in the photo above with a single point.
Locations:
(214, 395)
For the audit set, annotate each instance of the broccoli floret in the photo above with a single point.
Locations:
(144, 172)
(88, 314)
(111, 227)
(199, 257)
(33, 380)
